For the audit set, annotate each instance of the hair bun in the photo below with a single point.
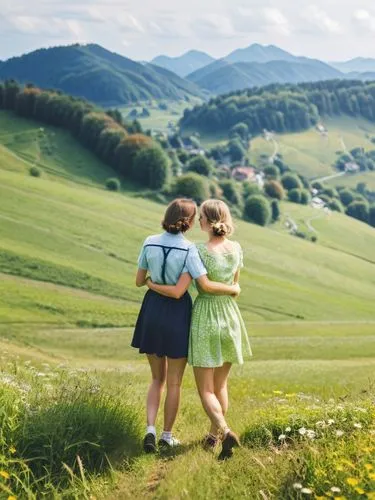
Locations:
(219, 229)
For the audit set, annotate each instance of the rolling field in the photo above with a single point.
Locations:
(68, 303)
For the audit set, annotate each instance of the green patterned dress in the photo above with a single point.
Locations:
(218, 333)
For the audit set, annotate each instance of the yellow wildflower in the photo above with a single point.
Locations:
(339, 468)
(352, 481)
(368, 467)
(359, 490)
(4, 474)
(12, 450)
(372, 476)
(292, 395)
(278, 392)
(12, 497)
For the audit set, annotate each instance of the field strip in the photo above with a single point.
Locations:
(61, 288)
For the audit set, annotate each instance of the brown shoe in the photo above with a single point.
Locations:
(230, 441)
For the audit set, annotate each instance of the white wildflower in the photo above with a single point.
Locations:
(282, 437)
(310, 434)
(306, 491)
(297, 486)
(330, 421)
(335, 489)
(357, 425)
(302, 431)
(339, 433)
(288, 429)
(321, 423)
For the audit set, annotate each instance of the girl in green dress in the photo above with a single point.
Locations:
(218, 336)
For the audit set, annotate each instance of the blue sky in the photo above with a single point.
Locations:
(329, 30)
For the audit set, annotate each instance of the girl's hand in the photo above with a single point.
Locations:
(148, 282)
(236, 290)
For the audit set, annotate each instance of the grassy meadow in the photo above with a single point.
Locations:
(73, 390)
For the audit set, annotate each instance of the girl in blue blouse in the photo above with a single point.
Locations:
(163, 325)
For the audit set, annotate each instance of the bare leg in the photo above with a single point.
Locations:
(221, 389)
(204, 378)
(175, 373)
(158, 370)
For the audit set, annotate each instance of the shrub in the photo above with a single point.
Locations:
(193, 186)
(331, 192)
(258, 210)
(113, 184)
(236, 150)
(231, 191)
(200, 165)
(127, 150)
(336, 206)
(291, 181)
(314, 238)
(305, 197)
(35, 171)
(359, 210)
(346, 197)
(151, 167)
(241, 130)
(371, 216)
(215, 190)
(325, 198)
(250, 188)
(274, 190)
(301, 234)
(272, 171)
(275, 209)
(295, 195)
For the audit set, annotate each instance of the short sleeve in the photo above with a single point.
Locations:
(142, 259)
(194, 265)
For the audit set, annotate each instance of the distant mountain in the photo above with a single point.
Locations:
(259, 53)
(223, 77)
(101, 76)
(184, 64)
(358, 65)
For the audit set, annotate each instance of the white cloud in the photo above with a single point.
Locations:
(275, 19)
(213, 25)
(364, 20)
(322, 20)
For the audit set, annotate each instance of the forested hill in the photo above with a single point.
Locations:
(283, 108)
(101, 76)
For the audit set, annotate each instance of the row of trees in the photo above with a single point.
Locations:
(283, 108)
(122, 146)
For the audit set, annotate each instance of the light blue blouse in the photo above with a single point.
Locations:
(166, 256)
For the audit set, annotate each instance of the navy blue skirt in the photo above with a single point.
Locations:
(163, 326)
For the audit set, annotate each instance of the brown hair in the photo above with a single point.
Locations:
(179, 216)
(218, 216)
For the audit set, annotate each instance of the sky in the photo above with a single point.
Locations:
(330, 30)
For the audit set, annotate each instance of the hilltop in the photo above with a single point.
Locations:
(101, 76)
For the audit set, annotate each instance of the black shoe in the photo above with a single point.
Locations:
(229, 442)
(209, 442)
(149, 443)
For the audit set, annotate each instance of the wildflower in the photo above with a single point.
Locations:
(282, 437)
(372, 476)
(352, 481)
(368, 467)
(306, 491)
(339, 433)
(310, 434)
(288, 429)
(12, 450)
(302, 431)
(330, 421)
(297, 486)
(335, 489)
(357, 425)
(360, 491)
(4, 474)
(11, 497)
(320, 423)
(278, 392)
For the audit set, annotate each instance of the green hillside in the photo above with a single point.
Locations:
(313, 154)
(101, 76)
(68, 251)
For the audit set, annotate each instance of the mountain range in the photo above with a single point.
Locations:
(110, 79)
(101, 76)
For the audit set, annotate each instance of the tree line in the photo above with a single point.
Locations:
(121, 145)
(283, 108)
